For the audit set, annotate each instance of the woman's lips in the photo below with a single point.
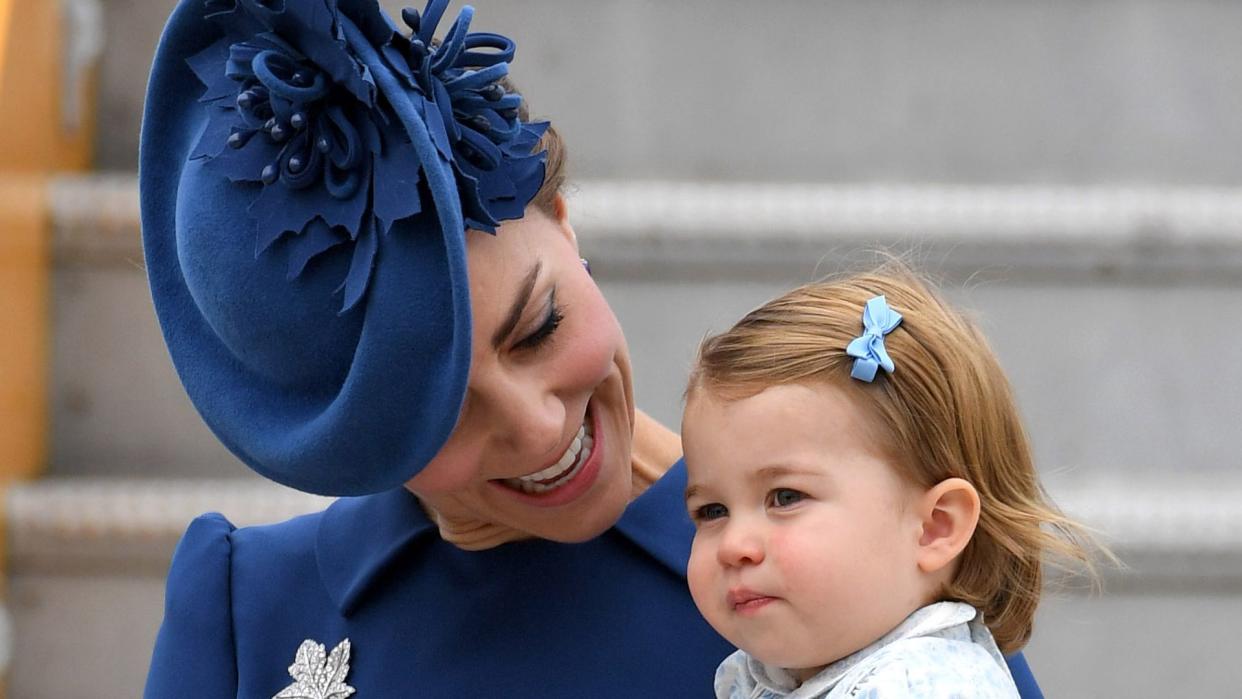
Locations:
(571, 461)
(578, 483)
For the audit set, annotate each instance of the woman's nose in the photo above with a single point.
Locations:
(532, 419)
(741, 544)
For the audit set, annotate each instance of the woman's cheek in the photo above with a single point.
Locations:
(593, 344)
(454, 469)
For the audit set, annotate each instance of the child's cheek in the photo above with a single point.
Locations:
(700, 576)
(796, 553)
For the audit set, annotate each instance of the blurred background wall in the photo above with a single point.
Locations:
(1069, 169)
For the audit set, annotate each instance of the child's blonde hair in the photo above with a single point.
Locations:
(946, 411)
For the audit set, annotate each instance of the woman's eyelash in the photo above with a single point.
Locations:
(544, 332)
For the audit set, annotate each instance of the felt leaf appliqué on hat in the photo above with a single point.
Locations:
(295, 112)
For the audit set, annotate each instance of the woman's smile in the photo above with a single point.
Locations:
(570, 476)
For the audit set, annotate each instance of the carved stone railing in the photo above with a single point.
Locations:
(95, 219)
(1165, 532)
(88, 558)
(645, 228)
(129, 524)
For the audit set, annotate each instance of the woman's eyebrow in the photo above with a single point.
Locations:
(519, 304)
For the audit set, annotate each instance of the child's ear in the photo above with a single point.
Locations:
(950, 512)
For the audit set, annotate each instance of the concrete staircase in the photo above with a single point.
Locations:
(1107, 305)
(727, 150)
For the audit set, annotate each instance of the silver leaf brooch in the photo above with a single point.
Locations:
(317, 674)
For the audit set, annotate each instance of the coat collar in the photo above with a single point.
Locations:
(657, 521)
(359, 537)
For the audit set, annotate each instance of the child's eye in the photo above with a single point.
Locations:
(710, 511)
(784, 497)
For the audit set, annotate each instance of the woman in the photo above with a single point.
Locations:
(322, 201)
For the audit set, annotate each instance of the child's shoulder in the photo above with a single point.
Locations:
(931, 666)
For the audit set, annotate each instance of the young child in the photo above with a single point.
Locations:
(868, 519)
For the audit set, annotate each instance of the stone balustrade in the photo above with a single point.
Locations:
(1107, 305)
(112, 525)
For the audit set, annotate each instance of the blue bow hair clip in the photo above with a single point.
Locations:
(868, 349)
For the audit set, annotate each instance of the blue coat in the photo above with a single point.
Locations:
(607, 618)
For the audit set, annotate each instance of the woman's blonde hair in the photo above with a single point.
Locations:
(946, 411)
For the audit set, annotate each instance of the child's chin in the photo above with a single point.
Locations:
(795, 661)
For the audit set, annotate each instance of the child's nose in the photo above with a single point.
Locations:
(742, 544)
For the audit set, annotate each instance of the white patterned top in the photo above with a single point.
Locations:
(941, 650)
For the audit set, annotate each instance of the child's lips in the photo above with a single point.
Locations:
(744, 600)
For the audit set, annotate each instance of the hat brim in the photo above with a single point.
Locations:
(399, 364)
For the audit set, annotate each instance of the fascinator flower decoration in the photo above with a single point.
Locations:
(294, 109)
(868, 349)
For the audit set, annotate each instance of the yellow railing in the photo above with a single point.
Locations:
(29, 101)
(34, 134)
(36, 141)
(24, 310)
(6, 12)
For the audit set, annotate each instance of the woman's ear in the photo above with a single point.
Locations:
(950, 513)
(560, 210)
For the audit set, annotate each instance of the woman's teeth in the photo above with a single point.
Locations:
(560, 472)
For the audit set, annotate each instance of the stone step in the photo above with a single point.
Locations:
(129, 526)
(956, 90)
(90, 555)
(1109, 307)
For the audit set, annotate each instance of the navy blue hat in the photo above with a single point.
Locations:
(307, 176)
